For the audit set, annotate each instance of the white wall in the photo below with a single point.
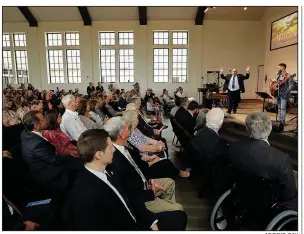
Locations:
(286, 55)
(233, 45)
(227, 43)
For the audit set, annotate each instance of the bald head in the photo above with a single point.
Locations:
(234, 71)
(215, 118)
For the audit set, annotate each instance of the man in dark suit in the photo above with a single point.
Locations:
(90, 89)
(255, 156)
(41, 157)
(186, 115)
(157, 195)
(234, 83)
(99, 88)
(95, 201)
(122, 100)
(12, 218)
(215, 150)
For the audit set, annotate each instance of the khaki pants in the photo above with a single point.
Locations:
(165, 200)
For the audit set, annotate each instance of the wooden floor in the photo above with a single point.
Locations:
(248, 106)
(197, 210)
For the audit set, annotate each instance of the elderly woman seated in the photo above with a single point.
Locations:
(151, 150)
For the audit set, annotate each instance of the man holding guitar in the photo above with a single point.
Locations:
(280, 89)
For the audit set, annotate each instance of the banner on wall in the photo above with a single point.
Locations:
(284, 31)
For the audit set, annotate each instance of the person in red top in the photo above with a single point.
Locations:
(56, 137)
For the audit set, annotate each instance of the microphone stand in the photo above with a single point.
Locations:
(278, 87)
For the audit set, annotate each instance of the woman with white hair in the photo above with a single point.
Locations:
(152, 151)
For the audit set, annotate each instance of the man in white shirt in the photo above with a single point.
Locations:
(180, 93)
(71, 124)
(235, 84)
(169, 101)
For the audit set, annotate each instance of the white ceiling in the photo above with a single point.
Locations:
(51, 14)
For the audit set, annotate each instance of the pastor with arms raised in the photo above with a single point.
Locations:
(234, 83)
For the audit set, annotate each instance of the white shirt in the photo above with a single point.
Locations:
(103, 177)
(39, 134)
(149, 107)
(167, 98)
(266, 141)
(71, 125)
(181, 95)
(145, 118)
(173, 110)
(236, 83)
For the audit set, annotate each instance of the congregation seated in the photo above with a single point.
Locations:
(186, 115)
(71, 124)
(122, 102)
(85, 116)
(167, 99)
(108, 109)
(180, 92)
(256, 156)
(158, 195)
(92, 107)
(10, 117)
(56, 137)
(151, 107)
(150, 150)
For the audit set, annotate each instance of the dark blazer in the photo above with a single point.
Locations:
(184, 118)
(132, 183)
(99, 88)
(90, 90)
(122, 103)
(43, 161)
(144, 127)
(93, 205)
(241, 79)
(258, 158)
(211, 145)
(11, 222)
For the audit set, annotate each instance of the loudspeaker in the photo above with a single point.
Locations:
(277, 126)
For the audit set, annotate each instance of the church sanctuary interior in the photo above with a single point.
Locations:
(150, 118)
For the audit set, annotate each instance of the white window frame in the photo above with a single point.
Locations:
(64, 49)
(116, 47)
(13, 50)
(170, 46)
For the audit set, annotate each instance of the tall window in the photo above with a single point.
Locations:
(116, 56)
(14, 57)
(63, 55)
(173, 46)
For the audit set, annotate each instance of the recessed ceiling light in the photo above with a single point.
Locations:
(245, 8)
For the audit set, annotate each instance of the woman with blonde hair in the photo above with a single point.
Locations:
(151, 151)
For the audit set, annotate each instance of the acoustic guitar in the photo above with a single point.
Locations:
(276, 85)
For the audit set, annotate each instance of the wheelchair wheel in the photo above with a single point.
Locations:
(282, 220)
(218, 220)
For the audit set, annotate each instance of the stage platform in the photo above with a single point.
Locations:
(248, 106)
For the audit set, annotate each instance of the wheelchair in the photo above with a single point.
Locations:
(250, 205)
